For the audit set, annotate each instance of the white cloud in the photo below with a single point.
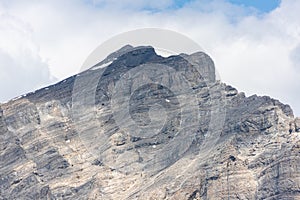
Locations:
(21, 68)
(133, 4)
(295, 57)
(257, 53)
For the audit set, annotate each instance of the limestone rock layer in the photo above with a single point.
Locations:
(141, 126)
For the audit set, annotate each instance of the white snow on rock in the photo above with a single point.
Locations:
(16, 98)
(101, 66)
(164, 53)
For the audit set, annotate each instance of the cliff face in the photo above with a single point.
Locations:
(140, 126)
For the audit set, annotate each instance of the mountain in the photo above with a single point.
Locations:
(141, 126)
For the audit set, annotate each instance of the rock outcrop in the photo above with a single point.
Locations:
(141, 126)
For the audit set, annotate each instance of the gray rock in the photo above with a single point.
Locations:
(148, 127)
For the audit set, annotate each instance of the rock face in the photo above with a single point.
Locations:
(141, 126)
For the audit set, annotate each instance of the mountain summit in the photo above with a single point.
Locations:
(141, 126)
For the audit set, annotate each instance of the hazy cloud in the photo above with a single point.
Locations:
(255, 52)
(133, 5)
(21, 68)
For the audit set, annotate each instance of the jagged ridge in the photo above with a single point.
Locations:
(44, 156)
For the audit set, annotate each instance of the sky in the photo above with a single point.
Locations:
(260, 5)
(255, 44)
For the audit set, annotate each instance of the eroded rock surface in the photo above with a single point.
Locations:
(191, 137)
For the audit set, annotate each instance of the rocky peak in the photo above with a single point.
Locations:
(141, 126)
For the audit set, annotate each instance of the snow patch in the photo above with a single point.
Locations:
(164, 53)
(101, 66)
(16, 98)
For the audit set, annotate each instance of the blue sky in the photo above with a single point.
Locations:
(261, 5)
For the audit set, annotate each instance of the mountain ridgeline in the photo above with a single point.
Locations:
(141, 126)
